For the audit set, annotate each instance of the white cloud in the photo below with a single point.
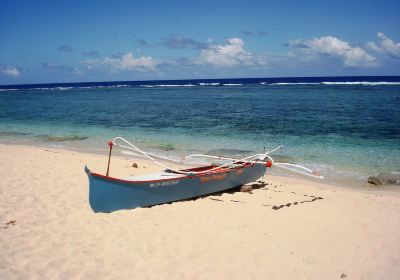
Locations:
(231, 54)
(386, 46)
(123, 62)
(11, 71)
(334, 47)
(128, 62)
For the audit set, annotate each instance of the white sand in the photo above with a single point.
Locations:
(348, 234)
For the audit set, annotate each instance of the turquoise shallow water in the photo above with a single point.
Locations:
(346, 130)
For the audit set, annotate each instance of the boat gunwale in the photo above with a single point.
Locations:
(108, 178)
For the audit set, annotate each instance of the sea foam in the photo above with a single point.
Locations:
(362, 83)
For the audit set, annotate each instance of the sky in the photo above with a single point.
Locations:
(78, 41)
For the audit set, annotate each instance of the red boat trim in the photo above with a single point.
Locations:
(161, 180)
(135, 182)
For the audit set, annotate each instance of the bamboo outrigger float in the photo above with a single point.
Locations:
(108, 194)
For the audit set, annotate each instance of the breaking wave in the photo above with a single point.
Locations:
(209, 84)
(390, 81)
(334, 83)
(285, 84)
(8, 89)
(232, 85)
(166, 85)
(362, 83)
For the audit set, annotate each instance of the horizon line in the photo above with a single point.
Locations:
(200, 79)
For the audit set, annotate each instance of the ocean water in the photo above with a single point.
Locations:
(346, 127)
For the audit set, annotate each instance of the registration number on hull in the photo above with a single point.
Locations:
(162, 184)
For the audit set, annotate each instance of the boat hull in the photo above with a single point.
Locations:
(108, 194)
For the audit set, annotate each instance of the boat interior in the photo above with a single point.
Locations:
(171, 174)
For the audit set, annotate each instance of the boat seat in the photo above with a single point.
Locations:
(155, 176)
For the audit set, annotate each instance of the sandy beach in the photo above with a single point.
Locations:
(289, 229)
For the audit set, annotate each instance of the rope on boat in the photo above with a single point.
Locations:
(137, 150)
(253, 159)
(311, 173)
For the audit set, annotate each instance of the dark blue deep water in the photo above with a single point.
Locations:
(348, 127)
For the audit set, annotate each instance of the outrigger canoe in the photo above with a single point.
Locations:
(108, 194)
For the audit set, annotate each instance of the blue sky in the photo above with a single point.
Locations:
(73, 41)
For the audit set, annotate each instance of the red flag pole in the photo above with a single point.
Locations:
(110, 143)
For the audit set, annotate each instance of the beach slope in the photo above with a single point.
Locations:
(287, 229)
